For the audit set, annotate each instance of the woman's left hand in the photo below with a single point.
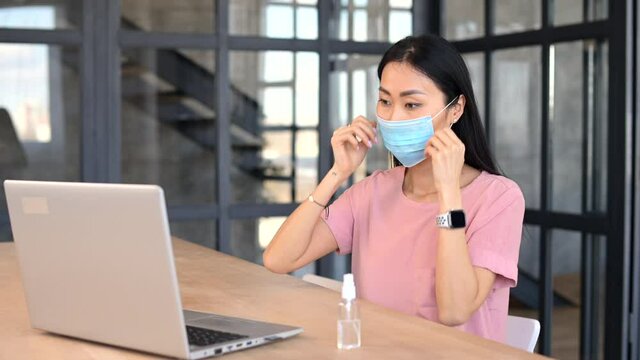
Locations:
(447, 158)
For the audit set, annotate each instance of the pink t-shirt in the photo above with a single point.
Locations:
(393, 242)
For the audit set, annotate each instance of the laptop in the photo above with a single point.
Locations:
(97, 263)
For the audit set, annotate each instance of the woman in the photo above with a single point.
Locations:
(436, 237)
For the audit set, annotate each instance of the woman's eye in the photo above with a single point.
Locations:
(411, 106)
(383, 101)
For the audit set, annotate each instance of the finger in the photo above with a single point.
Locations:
(430, 151)
(343, 130)
(444, 137)
(363, 122)
(371, 127)
(437, 142)
(361, 135)
(456, 138)
(449, 139)
(372, 124)
(452, 136)
(343, 134)
(364, 127)
(360, 118)
(348, 138)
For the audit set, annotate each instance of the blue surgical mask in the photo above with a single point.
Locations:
(406, 139)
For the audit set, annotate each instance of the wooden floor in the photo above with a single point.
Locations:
(565, 337)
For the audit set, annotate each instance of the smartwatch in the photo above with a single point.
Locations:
(453, 219)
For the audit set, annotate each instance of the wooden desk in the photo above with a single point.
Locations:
(214, 282)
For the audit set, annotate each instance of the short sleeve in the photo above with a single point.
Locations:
(494, 242)
(340, 219)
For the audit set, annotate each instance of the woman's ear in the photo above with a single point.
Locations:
(458, 108)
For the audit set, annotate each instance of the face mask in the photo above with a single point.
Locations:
(406, 139)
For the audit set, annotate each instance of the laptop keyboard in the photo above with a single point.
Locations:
(205, 337)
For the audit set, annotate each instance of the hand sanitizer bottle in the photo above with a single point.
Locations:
(348, 316)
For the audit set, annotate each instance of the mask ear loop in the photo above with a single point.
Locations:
(449, 104)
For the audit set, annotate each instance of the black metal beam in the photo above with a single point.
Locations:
(248, 211)
(634, 321)
(546, 295)
(106, 103)
(427, 17)
(143, 39)
(324, 266)
(488, 73)
(134, 38)
(223, 162)
(591, 223)
(546, 260)
(618, 181)
(193, 212)
(4, 221)
(356, 47)
(261, 43)
(90, 158)
(589, 329)
(288, 128)
(592, 30)
(51, 37)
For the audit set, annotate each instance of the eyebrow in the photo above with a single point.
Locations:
(403, 93)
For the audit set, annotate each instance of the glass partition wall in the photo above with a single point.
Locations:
(230, 106)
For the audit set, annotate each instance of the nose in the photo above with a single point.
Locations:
(395, 114)
(390, 113)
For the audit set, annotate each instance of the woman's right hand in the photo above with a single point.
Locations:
(351, 143)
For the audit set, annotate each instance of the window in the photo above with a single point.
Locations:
(545, 104)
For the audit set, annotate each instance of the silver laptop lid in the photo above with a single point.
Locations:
(97, 263)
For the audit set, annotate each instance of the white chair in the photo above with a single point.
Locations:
(522, 333)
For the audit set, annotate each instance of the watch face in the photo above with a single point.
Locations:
(457, 219)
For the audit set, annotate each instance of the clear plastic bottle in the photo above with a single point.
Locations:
(348, 316)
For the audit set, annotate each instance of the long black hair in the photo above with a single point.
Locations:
(440, 61)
